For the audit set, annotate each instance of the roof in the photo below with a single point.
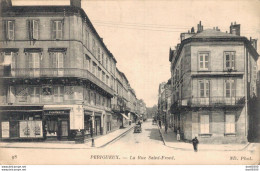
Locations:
(53, 10)
(211, 33)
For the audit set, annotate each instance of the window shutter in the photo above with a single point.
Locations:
(5, 29)
(53, 28)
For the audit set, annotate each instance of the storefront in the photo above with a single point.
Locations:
(21, 122)
(57, 124)
(97, 124)
(88, 123)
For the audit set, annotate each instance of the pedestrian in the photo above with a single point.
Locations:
(195, 143)
(178, 135)
(160, 124)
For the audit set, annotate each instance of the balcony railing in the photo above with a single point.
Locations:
(213, 101)
(55, 72)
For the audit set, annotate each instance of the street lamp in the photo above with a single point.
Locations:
(92, 131)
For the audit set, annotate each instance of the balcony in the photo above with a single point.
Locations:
(54, 72)
(115, 108)
(212, 101)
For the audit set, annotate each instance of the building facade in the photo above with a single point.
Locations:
(213, 76)
(58, 78)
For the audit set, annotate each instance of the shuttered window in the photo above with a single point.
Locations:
(57, 30)
(204, 124)
(230, 124)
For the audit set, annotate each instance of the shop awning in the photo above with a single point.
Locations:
(125, 116)
(21, 108)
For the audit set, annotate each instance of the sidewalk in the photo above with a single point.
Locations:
(100, 142)
(170, 140)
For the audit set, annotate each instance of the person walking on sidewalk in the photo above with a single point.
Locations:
(178, 135)
(160, 124)
(195, 143)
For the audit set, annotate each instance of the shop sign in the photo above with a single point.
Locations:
(5, 129)
(56, 112)
(77, 118)
(30, 129)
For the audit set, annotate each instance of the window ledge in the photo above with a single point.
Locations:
(230, 134)
(205, 135)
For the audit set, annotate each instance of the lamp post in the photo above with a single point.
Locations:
(92, 131)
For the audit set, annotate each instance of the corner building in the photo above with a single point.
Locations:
(57, 76)
(213, 78)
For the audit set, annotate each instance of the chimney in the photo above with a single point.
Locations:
(254, 43)
(200, 28)
(75, 3)
(5, 4)
(235, 29)
(192, 30)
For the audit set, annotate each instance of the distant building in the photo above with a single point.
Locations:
(213, 76)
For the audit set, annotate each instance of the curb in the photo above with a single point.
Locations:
(185, 149)
(62, 148)
(117, 138)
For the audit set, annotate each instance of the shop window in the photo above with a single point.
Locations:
(204, 124)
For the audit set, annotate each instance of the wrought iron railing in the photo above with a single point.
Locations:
(55, 72)
(212, 101)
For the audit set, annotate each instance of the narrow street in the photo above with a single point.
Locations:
(133, 148)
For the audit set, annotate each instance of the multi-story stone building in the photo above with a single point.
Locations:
(213, 77)
(57, 75)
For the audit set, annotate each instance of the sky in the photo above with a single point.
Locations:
(139, 33)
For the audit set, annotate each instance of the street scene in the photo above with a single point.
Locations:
(75, 89)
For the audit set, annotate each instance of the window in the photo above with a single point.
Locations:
(204, 124)
(99, 73)
(106, 62)
(34, 64)
(103, 101)
(87, 39)
(230, 88)
(22, 94)
(204, 88)
(87, 62)
(229, 58)
(58, 93)
(230, 124)
(9, 30)
(94, 68)
(58, 62)
(57, 30)
(94, 47)
(99, 51)
(203, 61)
(102, 60)
(103, 76)
(107, 80)
(35, 94)
(69, 92)
(33, 29)
(111, 66)
(47, 94)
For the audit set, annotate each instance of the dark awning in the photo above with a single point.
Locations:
(21, 108)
